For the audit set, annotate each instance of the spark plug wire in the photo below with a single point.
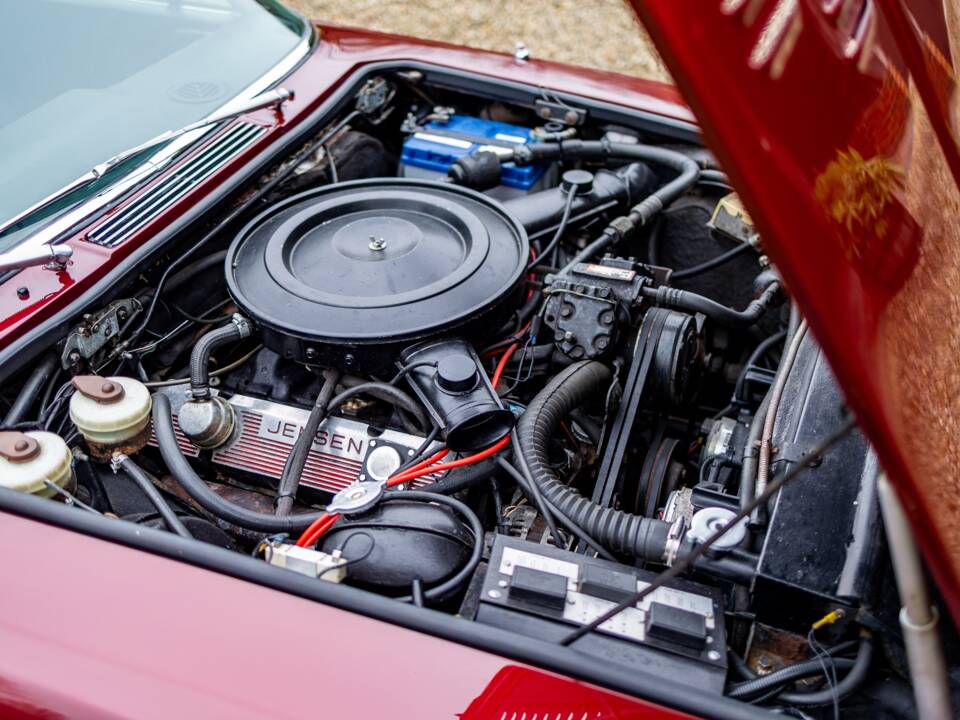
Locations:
(322, 524)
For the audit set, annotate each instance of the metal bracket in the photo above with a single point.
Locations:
(97, 331)
(548, 110)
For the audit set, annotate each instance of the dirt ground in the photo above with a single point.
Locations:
(596, 33)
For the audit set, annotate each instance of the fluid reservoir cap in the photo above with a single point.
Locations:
(706, 521)
(456, 373)
(99, 389)
(580, 181)
(110, 411)
(28, 459)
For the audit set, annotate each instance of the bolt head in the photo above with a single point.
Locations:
(495, 594)
(23, 292)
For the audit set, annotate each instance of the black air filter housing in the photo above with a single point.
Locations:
(348, 275)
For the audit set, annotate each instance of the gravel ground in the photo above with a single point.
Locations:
(594, 33)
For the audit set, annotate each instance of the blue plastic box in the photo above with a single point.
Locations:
(428, 153)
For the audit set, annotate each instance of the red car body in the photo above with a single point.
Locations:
(845, 167)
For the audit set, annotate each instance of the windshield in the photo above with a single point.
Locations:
(86, 79)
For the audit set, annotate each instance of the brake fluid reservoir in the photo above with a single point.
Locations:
(28, 460)
(112, 414)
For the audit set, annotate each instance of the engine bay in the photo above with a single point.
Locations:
(506, 360)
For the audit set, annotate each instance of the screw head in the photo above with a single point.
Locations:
(713, 655)
(495, 594)
(23, 292)
(376, 243)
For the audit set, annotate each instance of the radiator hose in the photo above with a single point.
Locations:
(616, 530)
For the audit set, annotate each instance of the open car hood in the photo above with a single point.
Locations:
(835, 119)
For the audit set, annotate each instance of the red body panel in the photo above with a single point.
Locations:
(816, 109)
(90, 629)
(93, 629)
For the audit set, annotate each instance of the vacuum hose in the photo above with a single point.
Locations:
(197, 489)
(618, 531)
(236, 329)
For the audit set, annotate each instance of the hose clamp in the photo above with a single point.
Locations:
(244, 326)
(671, 548)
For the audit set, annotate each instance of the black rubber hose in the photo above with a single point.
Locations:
(297, 459)
(791, 673)
(712, 263)
(853, 679)
(640, 214)
(184, 474)
(135, 473)
(762, 348)
(715, 176)
(31, 390)
(200, 357)
(692, 302)
(687, 169)
(618, 531)
(462, 576)
(384, 391)
(463, 478)
(578, 531)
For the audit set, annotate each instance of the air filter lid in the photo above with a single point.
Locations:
(376, 261)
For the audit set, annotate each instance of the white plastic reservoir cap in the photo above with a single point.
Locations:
(27, 459)
(109, 411)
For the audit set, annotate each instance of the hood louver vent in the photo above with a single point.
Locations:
(127, 221)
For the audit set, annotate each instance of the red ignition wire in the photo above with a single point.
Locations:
(413, 474)
(503, 364)
(317, 528)
(436, 457)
